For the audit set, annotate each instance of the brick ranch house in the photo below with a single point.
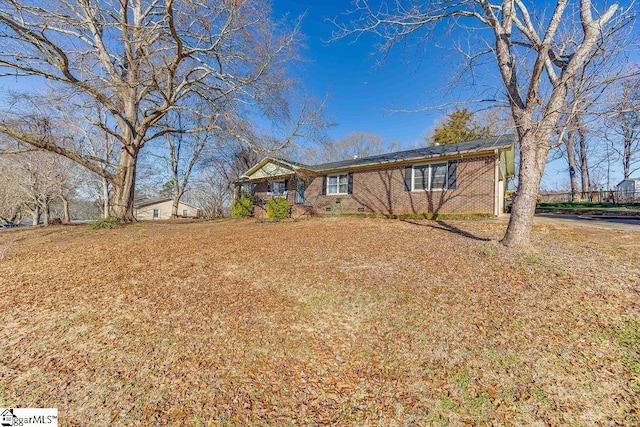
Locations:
(464, 178)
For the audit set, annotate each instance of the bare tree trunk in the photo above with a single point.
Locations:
(584, 161)
(626, 156)
(124, 186)
(568, 142)
(45, 212)
(35, 215)
(66, 216)
(177, 195)
(533, 157)
(105, 197)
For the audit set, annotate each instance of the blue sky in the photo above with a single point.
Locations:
(361, 94)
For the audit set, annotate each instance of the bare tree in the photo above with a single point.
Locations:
(623, 125)
(11, 207)
(535, 67)
(212, 193)
(582, 121)
(100, 144)
(183, 152)
(212, 190)
(37, 179)
(41, 178)
(352, 145)
(139, 60)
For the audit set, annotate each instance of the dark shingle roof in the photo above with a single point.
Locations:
(477, 145)
(139, 203)
(418, 155)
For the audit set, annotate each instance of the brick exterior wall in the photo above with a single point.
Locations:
(260, 195)
(382, 191)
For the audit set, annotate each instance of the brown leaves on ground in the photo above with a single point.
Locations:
(321, 322)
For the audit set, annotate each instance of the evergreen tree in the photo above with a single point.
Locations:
(459, 126)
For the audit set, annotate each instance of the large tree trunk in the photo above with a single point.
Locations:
(35, 215)
(178, 192)
(45, 213)
(124, 187)
(177, 195)
(533, 155)
(66, 215)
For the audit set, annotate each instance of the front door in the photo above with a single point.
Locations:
(300, 184)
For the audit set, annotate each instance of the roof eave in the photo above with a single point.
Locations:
(295, 168)
(410, 160)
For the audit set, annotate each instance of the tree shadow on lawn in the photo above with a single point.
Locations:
(442, 225)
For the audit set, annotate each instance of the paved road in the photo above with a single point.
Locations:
(628, 223)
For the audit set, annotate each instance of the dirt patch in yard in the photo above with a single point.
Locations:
(337, 321)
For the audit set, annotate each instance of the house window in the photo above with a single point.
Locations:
(276, 188)
(156, 213)
(338, 184)
(185, 212)
(434, 176)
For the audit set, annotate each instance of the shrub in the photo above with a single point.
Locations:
(108, 222)
(278, 208)
(242, 208)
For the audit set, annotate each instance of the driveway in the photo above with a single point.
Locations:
(628, 223)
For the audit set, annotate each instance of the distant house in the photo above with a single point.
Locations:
(464, 178)
(160, 208)
(629, 190)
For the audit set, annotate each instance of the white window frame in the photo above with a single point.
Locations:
(338, 176)
(185, 212)
(430, 176)
(284, 191)
(156, 214)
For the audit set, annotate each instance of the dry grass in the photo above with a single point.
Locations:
(328, 321)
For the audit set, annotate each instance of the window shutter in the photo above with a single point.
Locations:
(324, 185)
(268, 187)
(452, 177)
(252, 186)
(407, 178)
(286, 184)
(350, 183)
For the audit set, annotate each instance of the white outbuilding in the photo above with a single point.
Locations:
(629, 190)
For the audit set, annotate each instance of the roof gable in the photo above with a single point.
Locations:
(271, 167)
(629, 180)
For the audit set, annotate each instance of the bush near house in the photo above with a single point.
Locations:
(278, 208)
(242, 208)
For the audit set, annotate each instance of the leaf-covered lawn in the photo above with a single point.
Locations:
(337, 321)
